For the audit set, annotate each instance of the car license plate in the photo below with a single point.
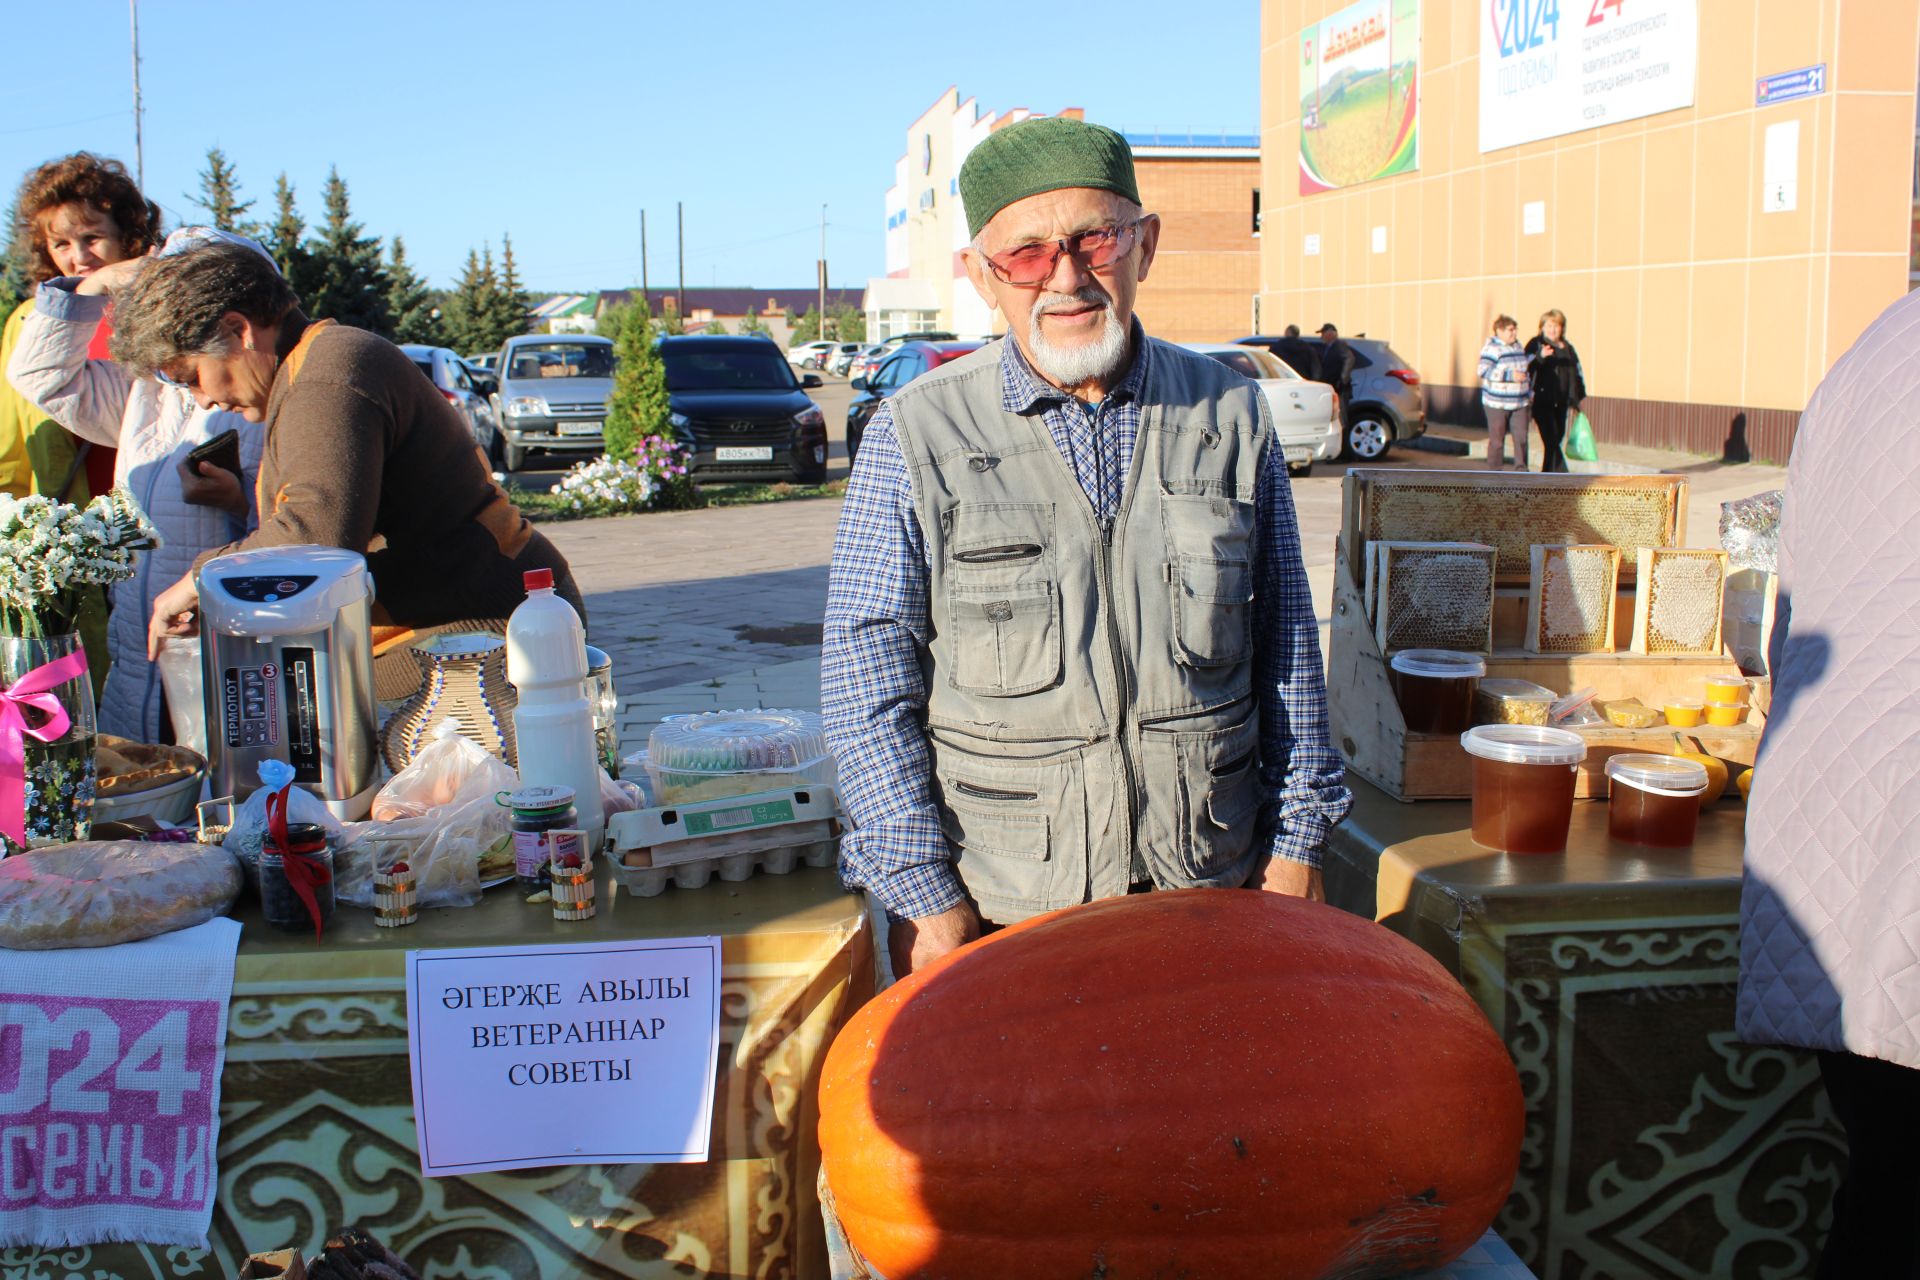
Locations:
(743, 453)
(579, 428)
(1298, 454)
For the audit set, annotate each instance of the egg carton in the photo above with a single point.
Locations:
(689, 844)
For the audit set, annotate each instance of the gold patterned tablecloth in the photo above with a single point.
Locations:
(316, 1107)
(1657, 1145)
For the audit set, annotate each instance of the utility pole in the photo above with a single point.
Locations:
(139, 149)
(644, 296)
(823, 272)
(680, 212)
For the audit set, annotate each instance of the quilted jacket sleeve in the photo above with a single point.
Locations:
(50, 365)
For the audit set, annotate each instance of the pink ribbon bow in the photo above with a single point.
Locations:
(33, 689)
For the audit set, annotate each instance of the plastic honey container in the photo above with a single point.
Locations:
(1685, 715)
(1727, 689)
(1655, 800)
(1512, 702)
(1435, 688)
(1523, 778)
(1725, 715)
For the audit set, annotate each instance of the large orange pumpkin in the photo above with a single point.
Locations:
(1207, 1083)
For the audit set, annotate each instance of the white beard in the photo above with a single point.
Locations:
(1093, 361)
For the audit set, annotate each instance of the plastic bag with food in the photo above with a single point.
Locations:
(437, 774)
(249, 830)
(463, 841)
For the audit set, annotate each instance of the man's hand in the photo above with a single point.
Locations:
(915, 944)
(213, 486)
(111, 279)
(176, 612)
(1284, 875)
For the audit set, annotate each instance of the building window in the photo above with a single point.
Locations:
(1256, 211)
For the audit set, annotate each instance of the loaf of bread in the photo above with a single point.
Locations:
(102, 893)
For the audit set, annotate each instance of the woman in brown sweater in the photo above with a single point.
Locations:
(362, 452)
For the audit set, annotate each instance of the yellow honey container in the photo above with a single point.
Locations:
(1725, 715)
(1727, 689)
(1685, 715)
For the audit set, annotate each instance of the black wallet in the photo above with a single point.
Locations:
(222, 451)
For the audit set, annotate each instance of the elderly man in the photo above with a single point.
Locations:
(1070, 649)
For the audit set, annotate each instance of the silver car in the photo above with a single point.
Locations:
(1388, 407)
(449, 376)
(553, 395)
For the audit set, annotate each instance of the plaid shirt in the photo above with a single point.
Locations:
(877, 624)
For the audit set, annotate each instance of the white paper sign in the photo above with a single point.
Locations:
(1533, 218)
(1553, 67)
(1379, 239)
(1311, 246)
(1780, 170)
(592, 1053)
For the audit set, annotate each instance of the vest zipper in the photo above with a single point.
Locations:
(1123, 673)
(979, 792)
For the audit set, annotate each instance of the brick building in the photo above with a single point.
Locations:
(1201, 287)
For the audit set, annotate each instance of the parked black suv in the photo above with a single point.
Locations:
(736, 403)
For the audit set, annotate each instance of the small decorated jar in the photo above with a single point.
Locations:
(571, 880)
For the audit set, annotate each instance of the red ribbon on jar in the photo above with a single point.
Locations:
(34, 689)
(304, 872)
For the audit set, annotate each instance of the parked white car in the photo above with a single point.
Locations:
(809, 355)
(1306, 415)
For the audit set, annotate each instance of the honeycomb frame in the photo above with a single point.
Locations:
(1572, 598)
(1416, 583)
(1679, 601)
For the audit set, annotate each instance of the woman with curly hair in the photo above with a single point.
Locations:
(98, 229)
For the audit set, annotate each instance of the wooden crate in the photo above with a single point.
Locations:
(1512, 511)
(1370, 732)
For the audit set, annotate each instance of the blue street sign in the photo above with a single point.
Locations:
(1804, 83)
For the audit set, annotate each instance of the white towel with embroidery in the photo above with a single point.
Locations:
(110, 1061)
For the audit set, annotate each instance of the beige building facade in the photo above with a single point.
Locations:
(1201, 287)
(1713, 258)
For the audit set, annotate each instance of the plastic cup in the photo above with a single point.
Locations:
(1435, 688)
(1727, 689)
(1685, 715)
(1725, 715)
(1655, 800)
(1523, 778)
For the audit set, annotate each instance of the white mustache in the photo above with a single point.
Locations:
(1090, 296)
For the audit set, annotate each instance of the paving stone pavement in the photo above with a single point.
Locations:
(720, 609)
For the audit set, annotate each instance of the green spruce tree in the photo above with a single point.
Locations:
(846, 323)
(284, 241)
(352, 284)
(638, 406)
(470, 309)
(612, 318)
(751, 322)
(220, 195)
(511, 304)
(16, 276)
(715, 329)
(409, 303)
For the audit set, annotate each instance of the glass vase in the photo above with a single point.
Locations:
(59, 774)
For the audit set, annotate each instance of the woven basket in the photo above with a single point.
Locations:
(462, 674)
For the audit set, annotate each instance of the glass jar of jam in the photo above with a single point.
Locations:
(1655, 800)
(1523, 778)
(1435, 688)
(308, 858)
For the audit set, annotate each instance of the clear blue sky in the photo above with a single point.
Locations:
(557, 122)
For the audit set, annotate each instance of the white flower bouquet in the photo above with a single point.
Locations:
(52, 553)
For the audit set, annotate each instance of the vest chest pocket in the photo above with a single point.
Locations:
(1210, 578)
(1006, 639)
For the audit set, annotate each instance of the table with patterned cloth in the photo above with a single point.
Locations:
(1657, 1144)
(316, 1109)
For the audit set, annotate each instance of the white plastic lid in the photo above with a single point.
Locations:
(1439, 664)
(1517, 690)
(722, 742)
(1524, 744)
(1662, 775)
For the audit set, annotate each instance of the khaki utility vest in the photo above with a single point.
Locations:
(1089, 685)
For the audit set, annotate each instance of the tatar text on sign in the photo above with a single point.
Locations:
(597, 1053)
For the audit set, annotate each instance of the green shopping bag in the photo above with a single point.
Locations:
(1580, 446)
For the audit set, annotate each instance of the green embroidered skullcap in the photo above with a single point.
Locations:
(1050, 153)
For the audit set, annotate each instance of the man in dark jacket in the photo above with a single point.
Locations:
(1300, 355)
(1336, 365)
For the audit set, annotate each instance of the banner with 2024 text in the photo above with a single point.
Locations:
(587, 1053)
(1554, 67)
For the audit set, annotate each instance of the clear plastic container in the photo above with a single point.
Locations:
(1523, 778)
(736, 753)
(1512, 702)
(1435, 688)
(1727, 689)
(1655, 800)
(1685, 715)
(1725, 715)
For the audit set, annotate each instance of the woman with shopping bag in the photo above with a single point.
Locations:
(1558, 386)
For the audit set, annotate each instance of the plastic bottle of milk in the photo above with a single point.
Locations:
(547, 666)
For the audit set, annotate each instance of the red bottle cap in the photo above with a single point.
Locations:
(539, 579)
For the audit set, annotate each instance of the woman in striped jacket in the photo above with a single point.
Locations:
(1506, 390)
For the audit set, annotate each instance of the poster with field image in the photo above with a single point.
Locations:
(1360, 95)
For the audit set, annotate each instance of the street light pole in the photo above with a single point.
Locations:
(823, 272)
(644, 296)
(680, 212)
(139, 148)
